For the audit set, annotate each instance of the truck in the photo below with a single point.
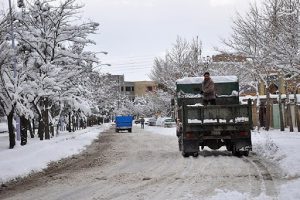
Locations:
(228, 123)
(124, 123)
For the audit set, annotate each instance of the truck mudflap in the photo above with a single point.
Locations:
(189, 147)
(242, 144)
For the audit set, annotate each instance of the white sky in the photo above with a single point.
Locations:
(134, 32)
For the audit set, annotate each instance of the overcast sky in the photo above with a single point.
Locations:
(134, 32)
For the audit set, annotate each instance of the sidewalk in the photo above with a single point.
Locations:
(36, 155)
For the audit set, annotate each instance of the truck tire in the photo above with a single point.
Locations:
(117, 131)
(195, 154)
(235, 152)
(184, 154)
(246, 153)
(130, 130)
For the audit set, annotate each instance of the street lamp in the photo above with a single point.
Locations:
(206, 60)
(107, 64)
(104, 52)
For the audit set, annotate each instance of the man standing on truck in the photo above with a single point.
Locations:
(208, 90)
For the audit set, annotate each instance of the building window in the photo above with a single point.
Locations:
(132, 89)
(122, 89)
(149, 88)
(128, 89)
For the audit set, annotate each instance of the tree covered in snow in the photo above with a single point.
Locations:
(184, 59)
(52, 65)
(153, 103)
(56, 42)
(8, 99)
(268, 36)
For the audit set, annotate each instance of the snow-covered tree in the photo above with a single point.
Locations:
(7, 80)
(269, 38)
(184, 59)
(56, 41)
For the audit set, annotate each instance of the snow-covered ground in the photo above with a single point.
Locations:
(36, 155)
(281, 148)
(3, 127)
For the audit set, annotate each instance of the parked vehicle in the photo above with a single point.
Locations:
(168, 122)
(152, 121)
(124, 123)
(159, 121)
(146, 121)
(226, 124)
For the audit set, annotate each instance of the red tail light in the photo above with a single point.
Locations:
(243, 133)
(190, 135)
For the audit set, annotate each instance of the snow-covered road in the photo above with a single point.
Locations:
(143, 165)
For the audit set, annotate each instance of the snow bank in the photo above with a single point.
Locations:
(3, 127)
(224, 194)
(36, 155)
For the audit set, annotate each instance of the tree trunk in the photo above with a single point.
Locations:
(290, 122)
(73, 123)
(23, 125)
(31, 130)
(281, 114)
(33, 126)
(297, 117)
(46, 119)
(297, 111)
(41, 129)
(12, 136)
(69, 125)
(268, 111)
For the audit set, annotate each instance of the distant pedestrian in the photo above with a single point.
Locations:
(142, 122)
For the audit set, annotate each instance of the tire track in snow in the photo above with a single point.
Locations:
(267, 184)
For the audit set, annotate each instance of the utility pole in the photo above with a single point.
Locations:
(119, 91)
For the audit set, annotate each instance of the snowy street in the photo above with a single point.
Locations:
(146, 164)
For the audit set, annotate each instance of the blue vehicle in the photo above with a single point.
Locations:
(124, 123)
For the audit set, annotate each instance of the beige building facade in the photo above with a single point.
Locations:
(142, 87)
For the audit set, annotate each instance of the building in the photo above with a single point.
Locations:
(142, 87)
(131, 89)
(128, 89)
(277, 83)
(228, 58)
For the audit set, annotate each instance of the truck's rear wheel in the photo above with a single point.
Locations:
(235, 152)
(130, 130)
(246, 153)
(184, 154)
